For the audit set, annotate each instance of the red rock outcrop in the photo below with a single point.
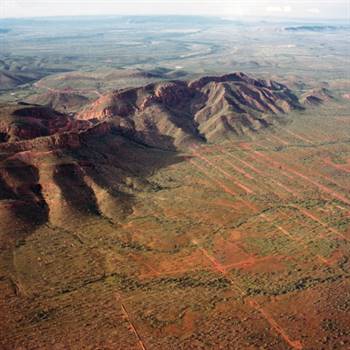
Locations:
(210, 108)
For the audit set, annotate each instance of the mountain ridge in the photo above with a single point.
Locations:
(211, 108)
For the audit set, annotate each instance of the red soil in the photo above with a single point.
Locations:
(295, 344)
(128, 319)
(337, 166)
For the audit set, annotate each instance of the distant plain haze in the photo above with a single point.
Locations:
(297, 9)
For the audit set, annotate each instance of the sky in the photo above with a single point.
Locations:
(314, 9)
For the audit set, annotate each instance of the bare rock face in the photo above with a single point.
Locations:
(177, 113)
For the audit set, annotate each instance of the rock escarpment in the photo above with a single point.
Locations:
(211, 109)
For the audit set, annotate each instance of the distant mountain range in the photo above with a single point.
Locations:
(316, 28)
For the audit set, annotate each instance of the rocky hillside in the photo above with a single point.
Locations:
(59, 178)
(54, 165)
(24, 121)
(177, 113)
(10, 80)
(54, 169)
(62, 101)
(316, 97)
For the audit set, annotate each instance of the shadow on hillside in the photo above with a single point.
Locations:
(22, 202)
(106, 174)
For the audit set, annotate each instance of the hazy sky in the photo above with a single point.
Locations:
(317, 9)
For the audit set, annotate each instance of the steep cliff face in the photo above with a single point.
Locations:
(210, 108)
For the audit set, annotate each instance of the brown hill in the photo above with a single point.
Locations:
(177, 113)
(316, 97)
(86, 83)
(25, 121)
(54, 166)
(62, 101)
(11, 80)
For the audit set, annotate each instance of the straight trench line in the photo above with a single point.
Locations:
(284, 142)
(305, 212)
(219, 183)
(128, 319)
(315, 218)
(302, 210)
(302, 138)
(305, 246)
(295, 344)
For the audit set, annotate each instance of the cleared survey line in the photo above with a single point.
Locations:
(306, 212)
(286, 188)
(239, 170)
(128, 319)
(323, 188)
(284, 142)
(300, 137)
(301, 242)
(219, 183)
(293, 192)
(315, 218)
(327, 262)
(323, 176)
(237, 183)
(250, 261)
(336, 166)
(255, 170)
(224, 187)
(295, 344)
(303, 210)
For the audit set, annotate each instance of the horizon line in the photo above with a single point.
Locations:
(223, 17)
